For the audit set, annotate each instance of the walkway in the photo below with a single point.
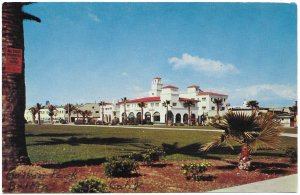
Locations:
(171, 128)
(277, 185)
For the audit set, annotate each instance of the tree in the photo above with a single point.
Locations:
(38, 107)
(142, 105)
(102, 110)
(253, 104)
(69, 108)
(218, 102)
(294, 109)
(14, 150)
(84, 114)
(166, 104)
(33, 111)
(77, 111)
(51, 109)
(124, 101)
(188, 104)
(251, 131)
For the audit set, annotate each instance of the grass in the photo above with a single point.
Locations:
(65, 144)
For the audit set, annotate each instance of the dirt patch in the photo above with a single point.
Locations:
(164, 176)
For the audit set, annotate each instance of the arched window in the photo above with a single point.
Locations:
(185, 118)
(178, 118)
(156, 117)
(148, 117)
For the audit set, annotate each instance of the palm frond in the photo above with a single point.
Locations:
(222, 140)
(269, 136)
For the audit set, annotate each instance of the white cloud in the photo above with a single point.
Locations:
(138, 92)
(201, 64)
(124, 74)
(94, 17)
(269, 92)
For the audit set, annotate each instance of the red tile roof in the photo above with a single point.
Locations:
(193, 86)
(210, 93)
(185, 99)
(170, 87)
(144, 99)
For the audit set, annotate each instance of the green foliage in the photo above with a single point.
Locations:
(258, 132)
(120, 167)
(153, 154)
(196, 171)
(136, 156)
(89, 185)
(292, 154)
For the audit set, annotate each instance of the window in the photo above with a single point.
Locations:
(203, 99)
(223, 108)
(97, 111)
(128, 105)
(212, 108)
(156, 104)
(203, 107)
(174, 104)
(152, 104)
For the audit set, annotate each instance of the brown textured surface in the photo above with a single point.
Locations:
(164, 176)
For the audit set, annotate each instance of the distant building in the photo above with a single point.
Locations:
(59, 113)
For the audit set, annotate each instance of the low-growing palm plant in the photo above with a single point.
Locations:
(255, 132)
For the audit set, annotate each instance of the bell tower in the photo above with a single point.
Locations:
(156, 86)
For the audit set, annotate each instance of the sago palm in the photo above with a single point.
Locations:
(256, 132)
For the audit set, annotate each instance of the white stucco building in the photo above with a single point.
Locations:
(155, 111)
(59, 113)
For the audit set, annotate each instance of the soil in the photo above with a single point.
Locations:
(163, 176)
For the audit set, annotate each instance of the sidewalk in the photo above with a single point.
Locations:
(277, 185)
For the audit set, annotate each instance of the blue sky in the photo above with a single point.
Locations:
(83, 51)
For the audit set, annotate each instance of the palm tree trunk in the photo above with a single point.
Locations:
(167, 115)
(125, 116)
(39, 118)
(142, 115)
(14, 150)
(189, 119)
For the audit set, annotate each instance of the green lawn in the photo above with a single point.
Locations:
(56, 143)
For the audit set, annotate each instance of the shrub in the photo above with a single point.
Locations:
(117, 166)
(196, 171)
(292, 154)
(136, 156)
(89, 185)
(153, 154)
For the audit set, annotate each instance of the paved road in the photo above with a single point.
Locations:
(277, 185)
(165, 128)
